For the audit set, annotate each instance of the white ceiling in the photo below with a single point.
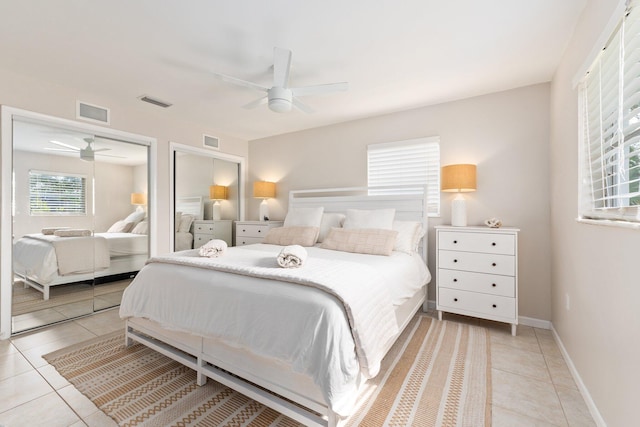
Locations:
(395, 54)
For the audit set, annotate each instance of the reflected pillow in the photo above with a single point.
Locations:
(185, 223)
(141, 228)
(121, 226)
(136, 217)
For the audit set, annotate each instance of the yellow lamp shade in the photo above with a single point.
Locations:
(138, 199)
(218, 192)
(264, 189)
(458, 178)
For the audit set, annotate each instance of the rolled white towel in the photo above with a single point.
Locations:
(213, 248)
(292, 256)
(72, 232)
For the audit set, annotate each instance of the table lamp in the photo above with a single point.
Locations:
(217, 193)
(264, 190)
(459, 179)
(139, 200)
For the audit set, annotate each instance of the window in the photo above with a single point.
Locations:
(610, 127)
(406, 163)
(52, 193)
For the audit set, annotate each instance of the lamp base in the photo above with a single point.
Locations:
(264, 210)
(215, 210)
(459, 211)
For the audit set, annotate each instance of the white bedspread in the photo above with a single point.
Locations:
(126, 243)
(274, 316)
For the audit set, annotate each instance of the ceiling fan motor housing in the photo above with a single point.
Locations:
(280, 99)
(87, 154)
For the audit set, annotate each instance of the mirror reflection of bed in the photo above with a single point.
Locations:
(72, 263)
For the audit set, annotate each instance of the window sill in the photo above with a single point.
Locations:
(609, 223)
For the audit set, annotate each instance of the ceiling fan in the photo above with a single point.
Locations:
(280, 97)
(87, 153)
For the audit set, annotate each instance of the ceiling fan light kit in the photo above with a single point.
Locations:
(280, 97)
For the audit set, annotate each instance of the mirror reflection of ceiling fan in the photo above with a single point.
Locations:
(87, 153)
(280, 97)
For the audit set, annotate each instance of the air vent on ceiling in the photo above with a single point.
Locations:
(154, 101)
(92, 113)
(211, 141)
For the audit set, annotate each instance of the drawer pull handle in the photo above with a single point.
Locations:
(455, 280)
(455, 299)
(243, 230)
(455, 260)
(493, 264)
(259, 231)
(493, 244)
(494, 306)
(493, 285)
(455, 242)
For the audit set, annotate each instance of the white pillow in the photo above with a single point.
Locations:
(409, 235)
(304, 217)
(329, 221)
(185, 223)
(178, 217)
(378, 218)
(121, 226)
(141, 228)
(135, 217)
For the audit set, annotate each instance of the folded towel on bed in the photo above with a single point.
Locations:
(292, 256)
(213, 248)
(48, 231)
(73, 232)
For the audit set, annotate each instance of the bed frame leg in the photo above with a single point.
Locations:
(333, 420)
(201, 378)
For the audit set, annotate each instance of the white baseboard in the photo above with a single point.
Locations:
(593, 409)
(533, 322)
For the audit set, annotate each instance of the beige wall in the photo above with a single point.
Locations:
(506, 134)
(126, 115)
(595, 267)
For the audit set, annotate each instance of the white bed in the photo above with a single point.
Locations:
(193, 206)
(37, 262)
(294, 341)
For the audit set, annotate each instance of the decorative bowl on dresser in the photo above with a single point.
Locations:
(477, 272)
(249, 232)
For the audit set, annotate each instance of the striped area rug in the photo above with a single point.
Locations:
(436, 374)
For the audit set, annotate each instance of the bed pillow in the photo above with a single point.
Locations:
(409, 235)
(378, 218)
(136, 217)
(303, 217)
(141, 228)
(284, 236)
(371, 241)
(329, 221)
(121, 226)
(185, 223)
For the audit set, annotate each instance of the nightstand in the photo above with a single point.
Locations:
(477, 272)
(208, 229)
(248, 232)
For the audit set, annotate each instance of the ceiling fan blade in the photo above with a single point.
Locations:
(60, 149)
(320, 89)
(256, 103)
(101, 149)
(302, 106)
(281, 66)
(239, 82)
(62, 144)
(110, 155)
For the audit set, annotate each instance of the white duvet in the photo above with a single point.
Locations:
(274, 317)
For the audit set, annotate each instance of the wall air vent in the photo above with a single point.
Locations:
(154, 101)
(211, 141)
(92, 113)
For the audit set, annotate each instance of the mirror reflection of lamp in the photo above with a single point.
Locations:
(139, 200)
(458, 179)
(264, 190)
(217, 193)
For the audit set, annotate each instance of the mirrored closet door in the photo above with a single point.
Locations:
(80, 229)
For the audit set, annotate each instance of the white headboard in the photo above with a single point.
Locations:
(192, 205)
(410, 203)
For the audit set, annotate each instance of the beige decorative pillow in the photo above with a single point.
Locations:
(372, 241)
(284, 236)
(121, 226)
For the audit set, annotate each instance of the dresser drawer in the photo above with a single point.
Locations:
(252, 230)
(477, 282)
(203, 228)
(476, 303)
(492, 243)
(481, 263)
(244, 240)
(201, 239)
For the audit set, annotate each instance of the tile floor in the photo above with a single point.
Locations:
(531, 384)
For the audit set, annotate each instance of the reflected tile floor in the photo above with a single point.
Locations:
(531, 384)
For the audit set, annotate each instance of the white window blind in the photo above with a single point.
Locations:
(406, 163)
(610, 122)
(52, 193)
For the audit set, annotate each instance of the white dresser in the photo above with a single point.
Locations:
(205, 230)
(248, 232)
(477, 272)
